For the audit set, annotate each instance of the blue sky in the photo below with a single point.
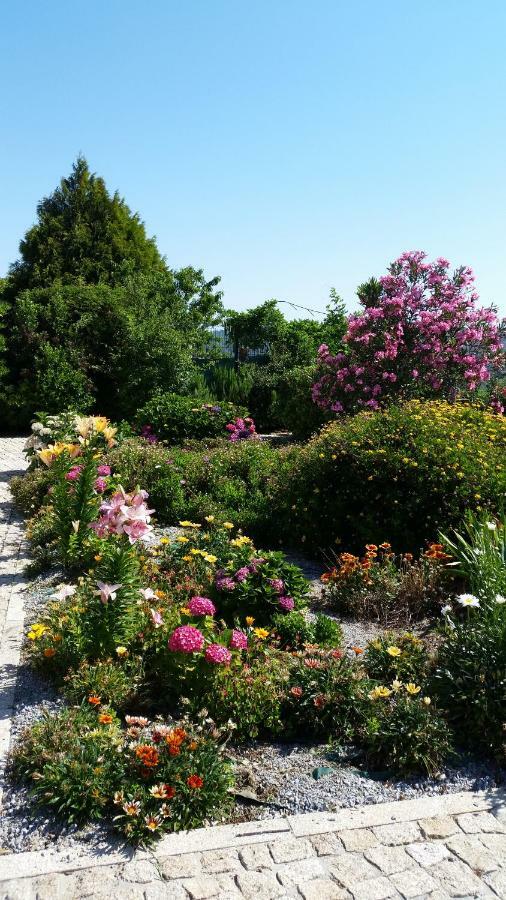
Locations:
(287, 146)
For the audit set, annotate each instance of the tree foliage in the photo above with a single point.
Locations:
(83, 232)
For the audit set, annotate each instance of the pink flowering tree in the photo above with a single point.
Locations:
(420, 333)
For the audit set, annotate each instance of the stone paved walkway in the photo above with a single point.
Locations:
(13, 556)
(450, 846)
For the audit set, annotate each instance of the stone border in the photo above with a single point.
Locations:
(12, 585)
(223, 837)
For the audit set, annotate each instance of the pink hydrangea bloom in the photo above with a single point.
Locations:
(286, 603)
(201, 606)
(186, 639)
(218, 655)
(242, 574)
(277, 584)
(238, 640)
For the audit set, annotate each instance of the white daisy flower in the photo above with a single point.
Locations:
(468, 600)
(500, 599)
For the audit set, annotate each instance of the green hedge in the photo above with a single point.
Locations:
(175, 419)
(398, 475)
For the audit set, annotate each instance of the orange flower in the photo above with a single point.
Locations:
(49, 652)
(319, 701)
(385, 546)
(94, 700)
(195, 782)
(296, 691)
(147, 755)
(357, 650)
(371, 547)
(105, 718)
(192, 746)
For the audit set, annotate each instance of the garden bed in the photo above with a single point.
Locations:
(271, 777)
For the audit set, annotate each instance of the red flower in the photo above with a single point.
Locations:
(195, 782)
(296, 691)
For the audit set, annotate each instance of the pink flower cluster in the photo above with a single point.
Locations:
(286, 603)
(218, 655)
(73, 473)
(238, 640)
(124, 514)
(226, 582)
(186, 639)
(201, 606)
(241, 429)
(420, 333)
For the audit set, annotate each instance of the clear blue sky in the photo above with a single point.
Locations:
(287, 146)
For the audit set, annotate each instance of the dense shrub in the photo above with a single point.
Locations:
(397, 657)
(326, 697)
(222, 479)
(470, 678)
(401, 473)
(175, 419)
(405, 733)
(419, 334)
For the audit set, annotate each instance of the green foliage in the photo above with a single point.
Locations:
(406, 735)
(59, 383)
(83, 232)
(396, 656)
(115, 344)
(75, 505)
(71, 763)
(479, 555)
(114, 682)
(403, 472)
(226, 480)
(175, 419)
(294, 629)
(30, 490)
(232, 384)
(250, 700)
(256, 328)
(326, 697)
(470, 679)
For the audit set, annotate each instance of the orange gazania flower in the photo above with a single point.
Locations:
(357, 650)
(49, 652)
(195, 782)
(94, 700)
(147, 755)
(105, 718)
(371, 548)
(296, 691)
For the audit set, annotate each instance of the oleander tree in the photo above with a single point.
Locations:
(420, 333)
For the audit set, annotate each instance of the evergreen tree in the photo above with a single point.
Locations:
(82, 233)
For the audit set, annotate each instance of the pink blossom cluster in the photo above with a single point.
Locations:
(241, 429)
(218, 655)
(73, 473)
(286, 603)
(226, 582)
(186, 639)
(420, 333)
(124, 514)
(238, 640)
(201, 606)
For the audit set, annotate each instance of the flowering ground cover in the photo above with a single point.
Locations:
(170, 649)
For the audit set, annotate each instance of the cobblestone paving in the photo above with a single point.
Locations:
(442, 847)
(13, 556)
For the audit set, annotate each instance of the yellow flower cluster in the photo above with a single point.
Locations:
(36, 631)
(50, 453)
(240, 541)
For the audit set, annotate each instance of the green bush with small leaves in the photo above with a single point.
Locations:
(397, 656)
(175, 419)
